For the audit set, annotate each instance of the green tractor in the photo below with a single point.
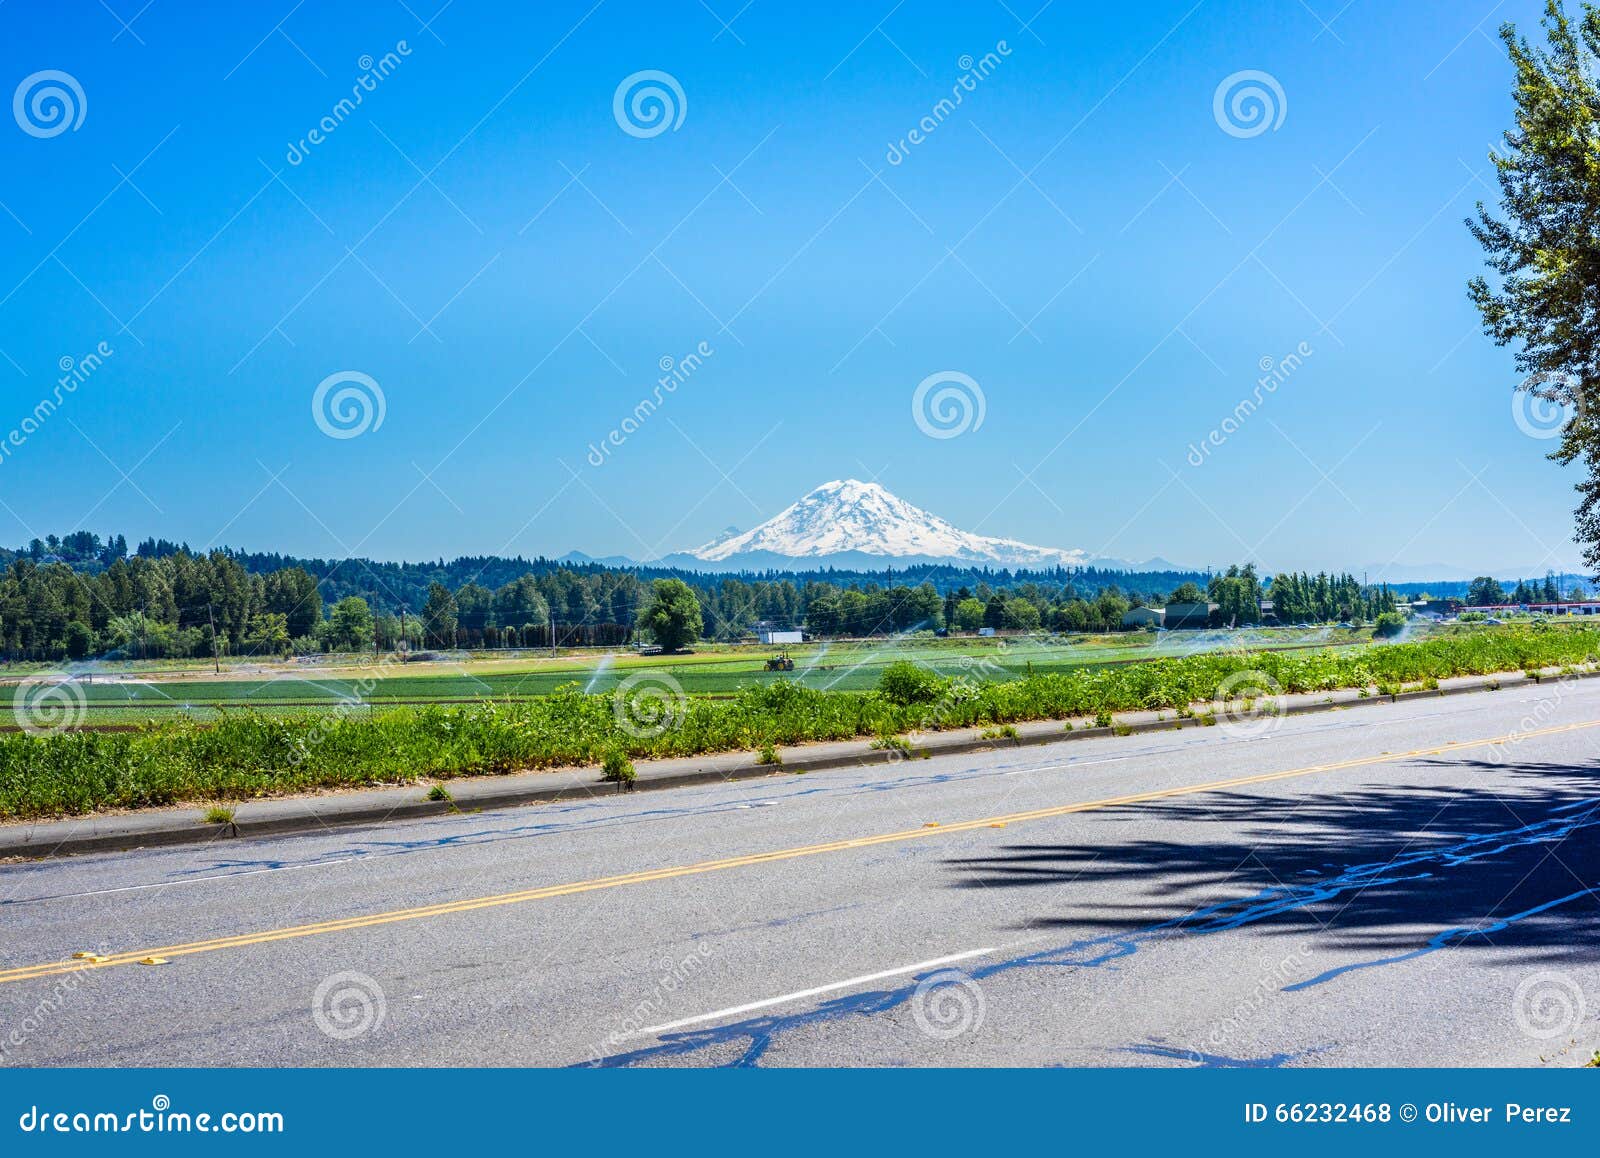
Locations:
(780, 662)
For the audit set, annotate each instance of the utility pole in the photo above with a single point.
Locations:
(216, 664)
(552, 634)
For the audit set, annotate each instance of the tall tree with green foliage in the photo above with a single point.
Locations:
(1545, 246)
(350, 625)
(520, 603)
(1110, 606)
(79, 640)
(293, 594)
(673, 615)
(439, 617)
(268, 634)
(969, 615)
(1485, 590)
(1187, 593)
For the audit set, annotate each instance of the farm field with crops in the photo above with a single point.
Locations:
(248, 753)
(129, 694)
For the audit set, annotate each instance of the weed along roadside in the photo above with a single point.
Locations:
(250, 757)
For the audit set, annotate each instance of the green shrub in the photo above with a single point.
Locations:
(1388, 625)
(616, 768)
(904, 683)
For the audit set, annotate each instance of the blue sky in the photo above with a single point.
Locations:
(482, 239)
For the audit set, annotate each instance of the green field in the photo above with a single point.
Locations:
(246, 754)
(130, 694)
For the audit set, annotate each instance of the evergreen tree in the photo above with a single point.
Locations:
(1543, 247)
(439, 617)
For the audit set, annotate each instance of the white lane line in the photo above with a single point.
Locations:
(800, 995)
(1026, 768)
(288, 868)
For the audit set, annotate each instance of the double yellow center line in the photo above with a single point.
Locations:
(424, 912)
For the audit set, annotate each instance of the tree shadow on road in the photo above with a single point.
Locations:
(1389, 870)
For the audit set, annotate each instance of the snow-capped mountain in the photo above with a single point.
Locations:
(846, 521)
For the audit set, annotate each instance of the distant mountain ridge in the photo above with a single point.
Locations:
(1454, 573)
(854, 525)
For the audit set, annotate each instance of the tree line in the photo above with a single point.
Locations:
(1322, 598)
(79, 596)
(1486, 590)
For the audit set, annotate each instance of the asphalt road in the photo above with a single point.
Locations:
(1379, 886)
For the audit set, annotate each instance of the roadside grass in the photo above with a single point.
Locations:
(247, 754)
(1002, 732)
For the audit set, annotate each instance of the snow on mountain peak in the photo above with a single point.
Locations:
(850, 516)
